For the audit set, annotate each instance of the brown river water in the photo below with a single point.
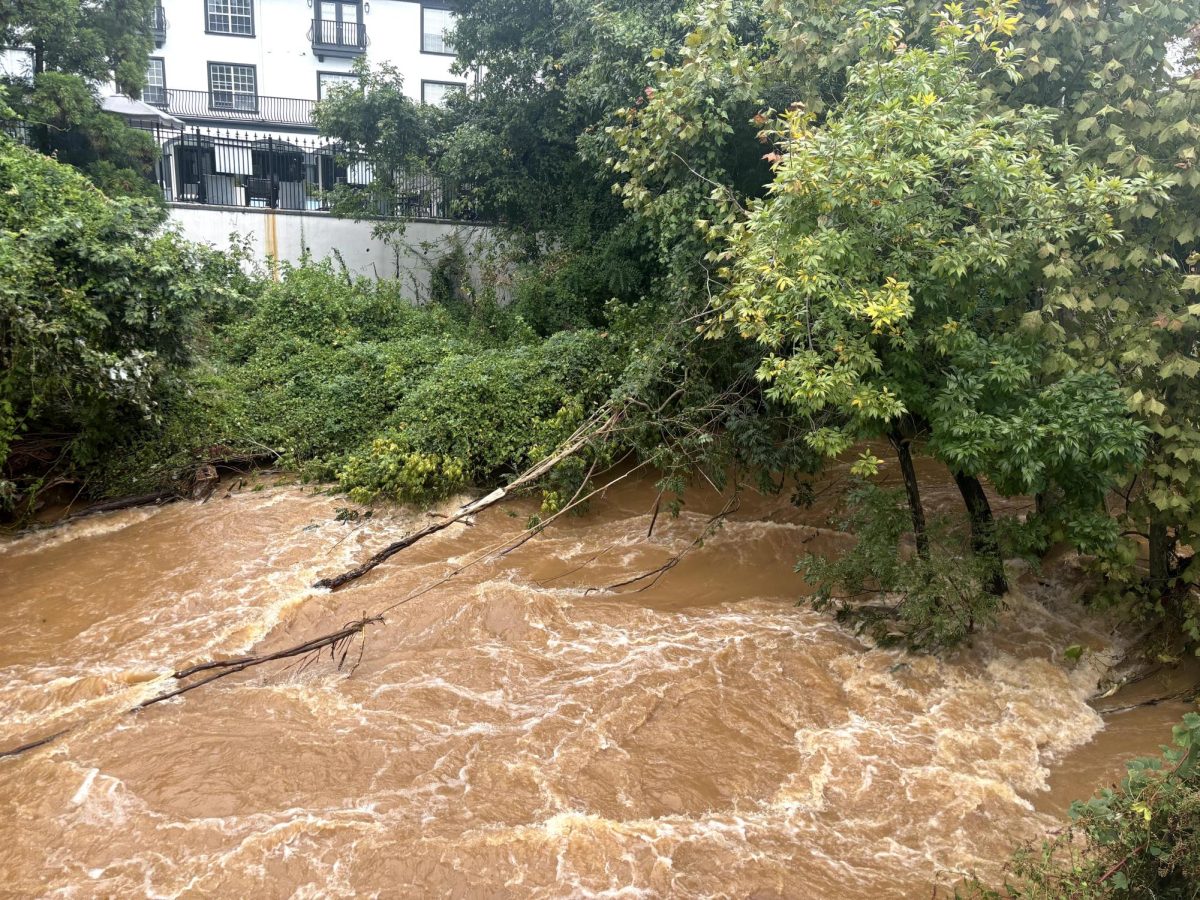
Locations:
(508, 733)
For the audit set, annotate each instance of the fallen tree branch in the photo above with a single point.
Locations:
(152, 499)
(587, 432)
(582, 436)
(221, 668)
(710, 526)
(1186, 694)
(235, 463)
(33, 745)
(230, 666)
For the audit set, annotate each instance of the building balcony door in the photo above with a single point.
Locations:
(340, 24)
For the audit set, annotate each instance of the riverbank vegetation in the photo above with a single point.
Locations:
(969, 230)
(1139, 838)
(767, 231)
(347, 381)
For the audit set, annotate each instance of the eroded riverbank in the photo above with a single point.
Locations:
(508, 732)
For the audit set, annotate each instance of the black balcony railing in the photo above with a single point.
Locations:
(225, 106)
(330, 38)
(301, 173)
(158, 26)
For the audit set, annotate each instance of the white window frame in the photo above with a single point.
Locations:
(334, 78)
(221, 17)
(436, 42)
(441, 98)
(155, 93)
(226, 70)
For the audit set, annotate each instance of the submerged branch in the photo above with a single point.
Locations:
(710, 526)
(1186, 694)
(597, 426)
(230, 666)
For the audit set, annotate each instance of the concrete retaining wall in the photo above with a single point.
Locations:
(285, 235)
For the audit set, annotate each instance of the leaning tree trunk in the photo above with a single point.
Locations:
(912, 488)
(1161, 556)
(983, 530)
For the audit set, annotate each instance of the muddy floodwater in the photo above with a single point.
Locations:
(510, 733)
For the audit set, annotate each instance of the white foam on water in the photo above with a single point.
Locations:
(93, 526)
(507, 739)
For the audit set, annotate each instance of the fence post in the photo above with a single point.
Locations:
(272, 176)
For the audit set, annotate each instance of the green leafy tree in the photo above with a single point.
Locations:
(1118, 82)
(108, 40)
(383, 133)
(74, 47)
(527, 143)
(1125, 79)
(97, 312)
(889, 270)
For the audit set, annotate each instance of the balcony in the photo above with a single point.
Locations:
(342, 40)
(226, 107)
(158, 25)
(299, 173)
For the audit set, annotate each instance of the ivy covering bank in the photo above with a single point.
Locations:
(349, 381)
(129, 356)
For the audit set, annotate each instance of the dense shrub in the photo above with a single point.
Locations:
(894, 594)
(476, 416)
(98, 309)
(348, 380)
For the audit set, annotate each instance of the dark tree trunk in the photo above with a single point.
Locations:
(903, 447)
(983, 530)
(41, 131)
(1161, 556)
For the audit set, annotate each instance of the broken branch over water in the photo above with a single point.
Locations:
(337, 640)
(584, 435)
(596, 427)
(655, 574)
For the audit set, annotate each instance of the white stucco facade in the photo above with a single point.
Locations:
(287, 58)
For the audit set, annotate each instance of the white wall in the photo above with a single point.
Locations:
(285, 236)
(282, 50)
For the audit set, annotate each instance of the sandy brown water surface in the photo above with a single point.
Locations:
(510, 734)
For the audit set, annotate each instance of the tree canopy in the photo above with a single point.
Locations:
(74, 48)
(97, 310)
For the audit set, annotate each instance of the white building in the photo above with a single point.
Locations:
(262, 64)
(243, 77)
(235, 82)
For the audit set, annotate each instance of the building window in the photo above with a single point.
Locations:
(230, 17)
(155, 91)
(339, 24)
(434, 92)
(231, 86)
(327, 80)
(436, 23)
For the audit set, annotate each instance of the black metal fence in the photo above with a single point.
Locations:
(225, 168)
(302, 173)
(331, 36)
(21, 132)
